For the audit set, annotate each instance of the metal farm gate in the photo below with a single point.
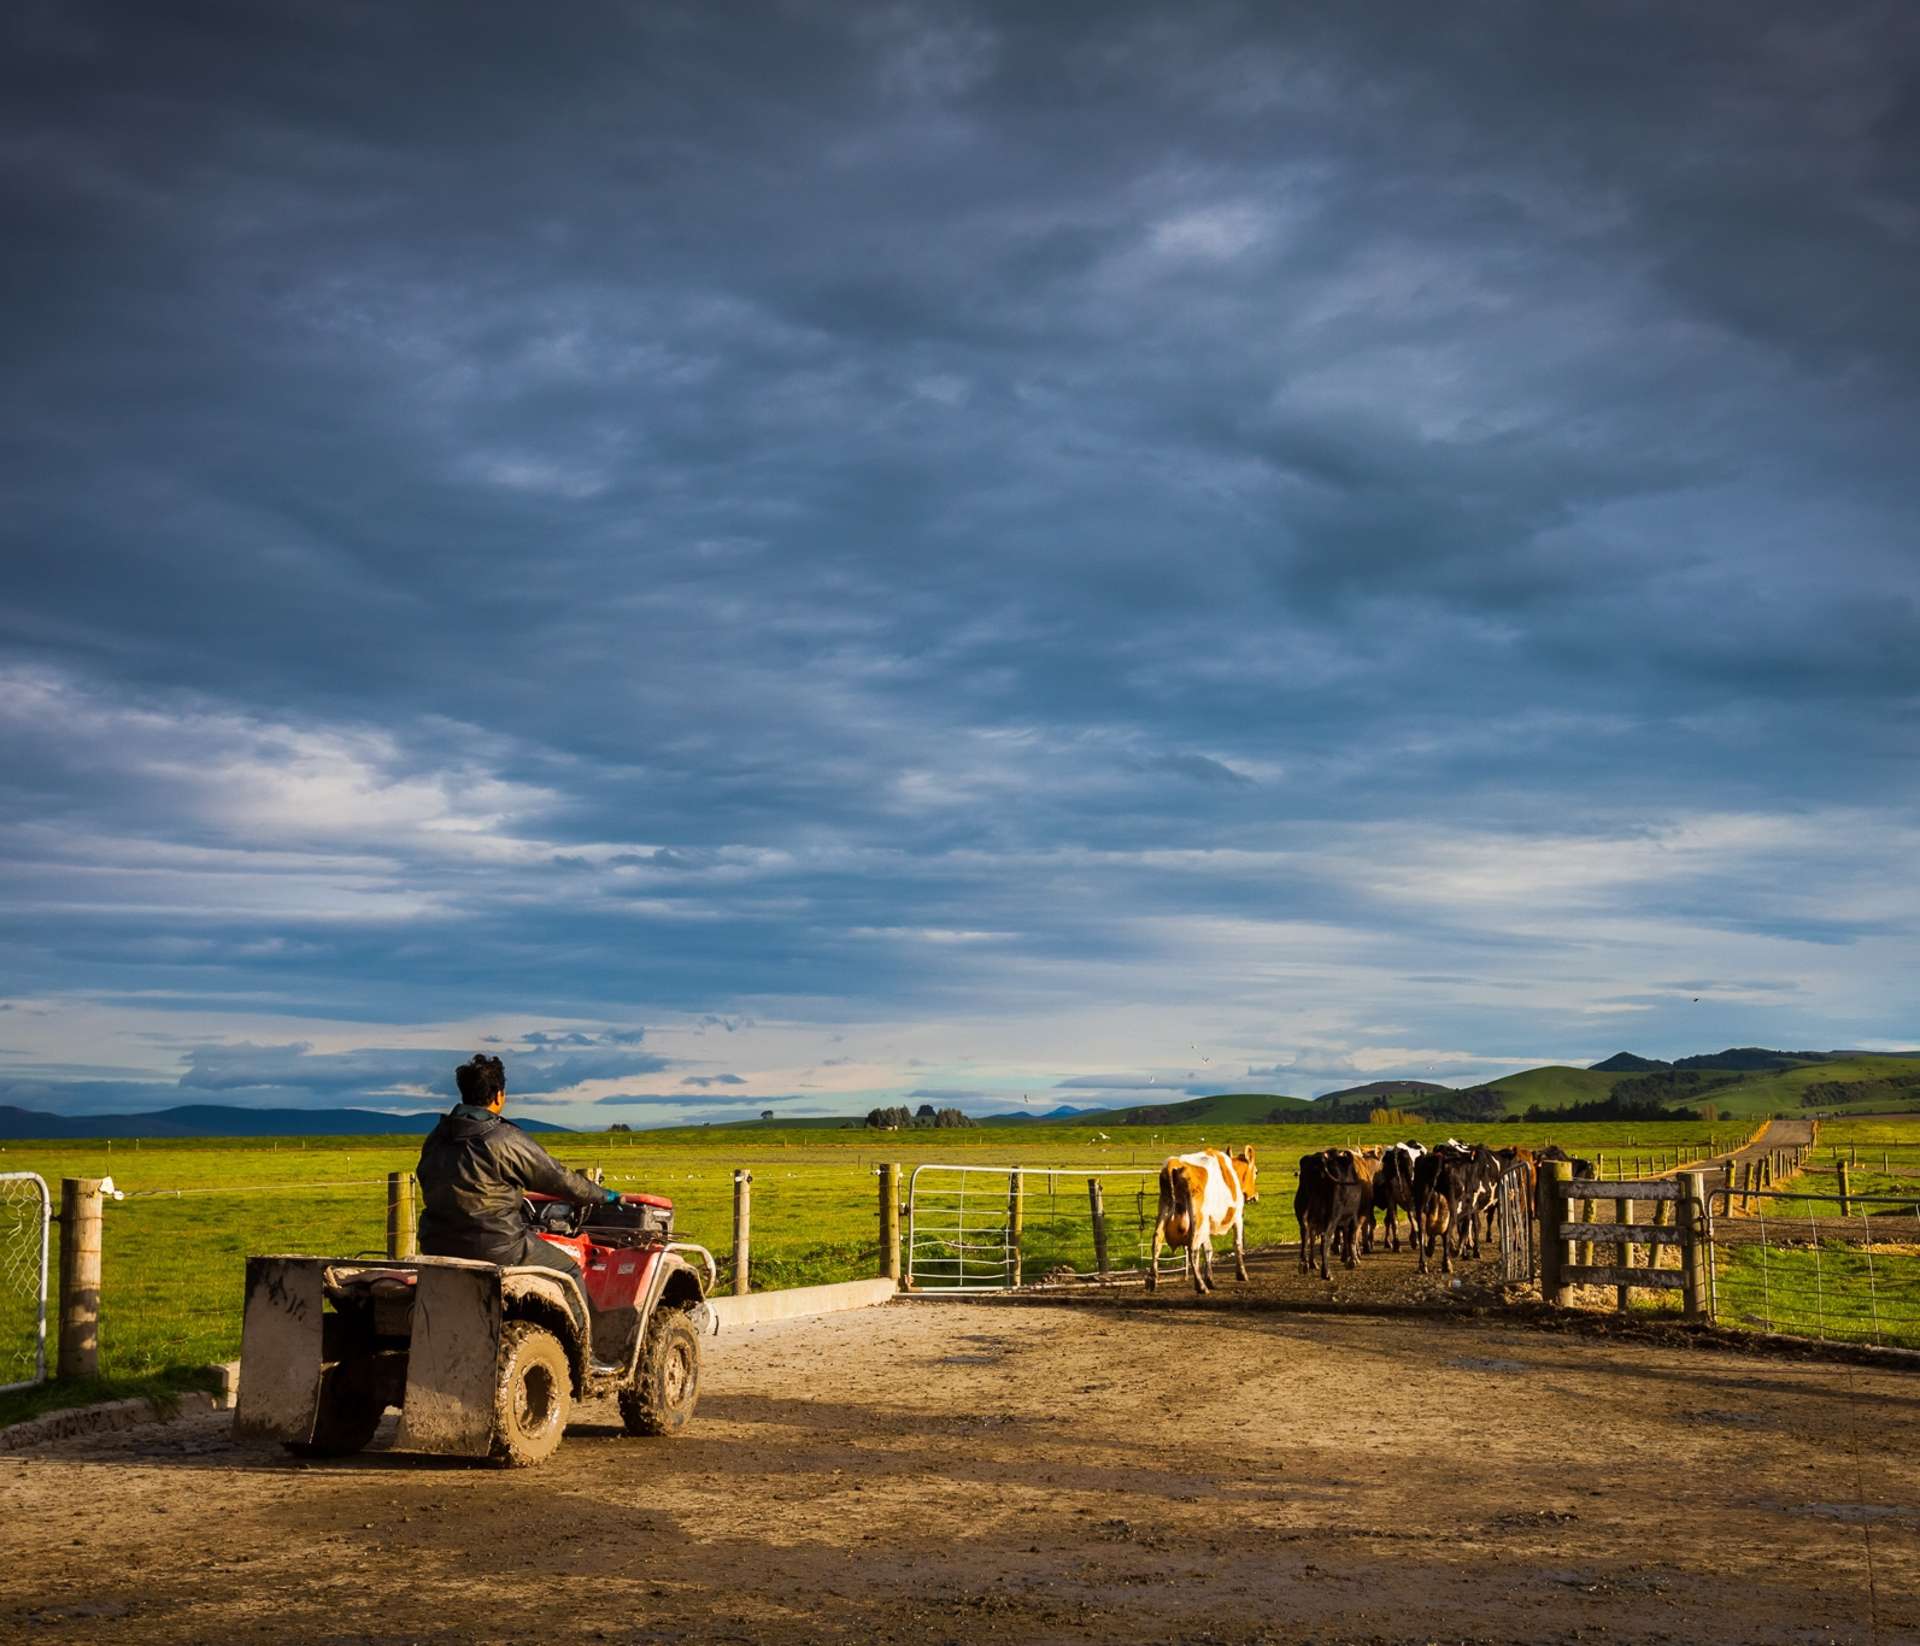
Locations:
(974, 1229)
(1514, 1217)
(26, 1210)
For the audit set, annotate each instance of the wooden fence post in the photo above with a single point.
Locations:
(80, 1223)
(399, 1214)
(1622, 1214)
(1554, 1177)
(1693, 1245)
(1016, 1224)
(890, 1223)
(1098, 1206)
(742, 1229)
(1846, 1188)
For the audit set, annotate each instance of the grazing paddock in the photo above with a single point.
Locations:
(196, 1208)
(960, 1471)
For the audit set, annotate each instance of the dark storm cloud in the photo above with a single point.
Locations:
(681, 508)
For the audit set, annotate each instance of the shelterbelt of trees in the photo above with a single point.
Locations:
(926, 1118)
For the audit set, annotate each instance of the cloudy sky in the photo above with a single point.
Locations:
(802, 555)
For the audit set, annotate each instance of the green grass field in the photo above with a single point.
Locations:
(174, 1248)
(194, 1210)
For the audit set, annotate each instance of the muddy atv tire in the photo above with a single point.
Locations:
(666, 1383)
(532, 1396)
(349, 1414)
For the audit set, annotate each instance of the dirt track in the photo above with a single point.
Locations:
(1124, 1469)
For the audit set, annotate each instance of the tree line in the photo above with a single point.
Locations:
(926, 1118)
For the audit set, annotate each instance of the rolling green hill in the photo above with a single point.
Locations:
(1222, 1109)
(1398, 1094)
(1552, 1087)
(1858, 1084)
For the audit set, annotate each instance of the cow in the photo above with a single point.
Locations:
(1448, 1185)
(1334, 1200)
(1393, 1189)
(1582, 1169)
(1202, 1195)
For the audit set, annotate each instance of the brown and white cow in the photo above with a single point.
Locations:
(1202, 1195)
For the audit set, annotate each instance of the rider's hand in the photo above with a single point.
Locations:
(613, 1197)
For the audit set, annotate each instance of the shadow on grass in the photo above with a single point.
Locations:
(163, 1388)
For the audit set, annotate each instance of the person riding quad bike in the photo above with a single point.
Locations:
(475, 1172)
(535, 1288)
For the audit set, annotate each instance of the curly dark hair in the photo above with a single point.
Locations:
(481, 1080)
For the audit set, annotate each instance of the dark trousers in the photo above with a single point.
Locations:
(532, 1251)
(543, 1254)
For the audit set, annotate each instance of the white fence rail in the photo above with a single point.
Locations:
(26, 1211)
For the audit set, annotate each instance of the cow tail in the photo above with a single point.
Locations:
(1177, 1197)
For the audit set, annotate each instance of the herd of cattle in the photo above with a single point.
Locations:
(1447, 1192)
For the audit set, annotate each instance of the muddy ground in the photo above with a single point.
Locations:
(1113, 1469)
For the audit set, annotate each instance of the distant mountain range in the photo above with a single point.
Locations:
(226, 1120)
(1740, 1082)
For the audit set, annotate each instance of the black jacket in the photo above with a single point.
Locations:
(474, 1169)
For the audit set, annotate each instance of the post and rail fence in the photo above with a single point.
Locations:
(1677, 1223)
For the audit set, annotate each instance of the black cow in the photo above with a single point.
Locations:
(1393, 1189)
(1334, 1198)
(1448, 1186)
(1583, 1170)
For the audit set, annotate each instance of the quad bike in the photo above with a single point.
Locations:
(482, 1361)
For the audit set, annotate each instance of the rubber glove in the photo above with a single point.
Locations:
(613, 1197)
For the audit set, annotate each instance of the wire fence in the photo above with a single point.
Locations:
(173, 1261)
(1799, 1262)
(24, 1209)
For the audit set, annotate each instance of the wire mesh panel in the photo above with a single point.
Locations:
(26, 1209)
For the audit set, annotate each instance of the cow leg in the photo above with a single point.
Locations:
(1420, 1233)
(1240, 1246)
(1153, 1262)
(1202, 1263)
